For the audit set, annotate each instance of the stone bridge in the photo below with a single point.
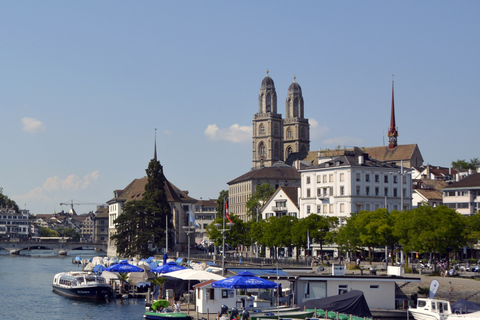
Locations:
(61, 246)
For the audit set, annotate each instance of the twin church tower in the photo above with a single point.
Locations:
(275, 138)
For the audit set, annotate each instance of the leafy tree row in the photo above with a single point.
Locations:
(424, 229)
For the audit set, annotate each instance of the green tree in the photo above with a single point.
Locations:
(222, 197)
(299, 236)
(235, 235)
(321, 230)
(6, 202)
(462, 164)
(69, 233)
(46, 232)
(348, 236)
(141, 226)
(278, 232)
(123, 277)
(262, 193)
(371, 227)
(158, 281)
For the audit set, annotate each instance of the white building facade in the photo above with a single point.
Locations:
(346, 184)
(464, 195)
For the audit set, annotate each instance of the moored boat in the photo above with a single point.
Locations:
(167, 316)
(79, 284)
(437, 309)
(283, 315)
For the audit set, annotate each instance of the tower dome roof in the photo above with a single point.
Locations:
(295, 87)
(267, 82)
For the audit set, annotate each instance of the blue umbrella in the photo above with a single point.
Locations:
(99, 268)
(245, 280)
(124, 266)
(166, 268)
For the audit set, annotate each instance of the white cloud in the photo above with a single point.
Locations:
(55, 184)
(236, 133)
(343, 141)
(167, 132)
(317, 131)
(32, 125)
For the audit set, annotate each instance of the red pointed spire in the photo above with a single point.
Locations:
(392, 131)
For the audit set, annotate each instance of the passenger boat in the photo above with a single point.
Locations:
(436, 309)
(79, 284)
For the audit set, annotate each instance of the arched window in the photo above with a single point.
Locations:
(269, 103)
(261, 150)
(288, 151)
(276, 152)
(295, 108)
(289, 133)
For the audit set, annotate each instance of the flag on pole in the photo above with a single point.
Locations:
(226, 212)
(192, 220)
(308, 240)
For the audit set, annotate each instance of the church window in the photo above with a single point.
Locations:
(289, 133)
(269, 103)
(295, 108)
(276, 151)
(261, 149)
(261, 129)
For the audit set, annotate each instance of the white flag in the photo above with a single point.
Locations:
(433, 288)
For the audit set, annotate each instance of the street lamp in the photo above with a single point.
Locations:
(188, 230)
(218, 225)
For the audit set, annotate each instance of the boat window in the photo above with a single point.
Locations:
(421, 303)
(434, 306)
(445, 306)
(440, 307)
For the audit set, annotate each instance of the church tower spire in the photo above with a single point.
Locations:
(267, 127)
(155, 146)
(296, 130)
(392, 131)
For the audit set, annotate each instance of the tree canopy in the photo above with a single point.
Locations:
(140, 228)
(6, 202)
(258, 199)
(463, 164)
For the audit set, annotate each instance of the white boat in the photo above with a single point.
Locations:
(79, 284)
(437, 309)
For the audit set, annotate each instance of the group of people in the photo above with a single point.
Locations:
(175, 306)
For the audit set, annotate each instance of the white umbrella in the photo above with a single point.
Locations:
(189, 274)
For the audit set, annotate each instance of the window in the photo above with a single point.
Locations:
(358, 190)
(330, 178)
(261, 129)
(319, 207)
(342, 190)
(319, 179)
(308, 192)
(324, 178)
(367, 191)
(325, 208)
(367, 207)
(377, 178)
(319, 192)
(342, 288)
(342, 207)
(367, 177)
(330, 209)
(386, 192)
(308, 209)
(395, 192)
(395, 179)
(357, 176)
(385, 178)
(342, 177)
(377, 191)
(308, 180)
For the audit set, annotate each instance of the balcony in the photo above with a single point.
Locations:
(279, 209)
(323, 196)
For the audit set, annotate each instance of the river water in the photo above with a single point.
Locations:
(26, 290)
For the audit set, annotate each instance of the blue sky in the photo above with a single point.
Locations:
(85, 83)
